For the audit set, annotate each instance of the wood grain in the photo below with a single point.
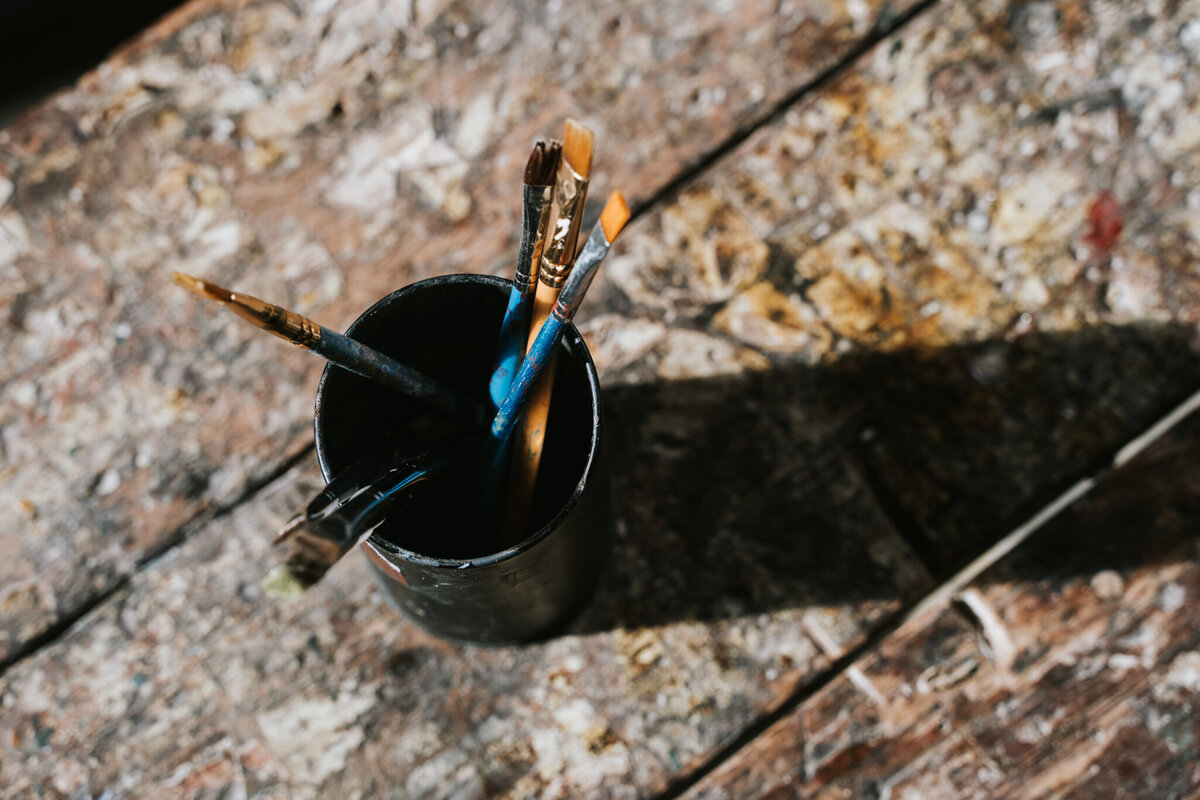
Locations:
(191, 683)
(1069, 669)
(954, 277)
(984, 231)
(317, 155)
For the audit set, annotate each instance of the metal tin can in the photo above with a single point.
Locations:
(447, 328)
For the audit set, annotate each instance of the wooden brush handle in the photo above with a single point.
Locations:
(531, 430)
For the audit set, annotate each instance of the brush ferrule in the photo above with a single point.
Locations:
(535, 213)
(586, 265)
(278, 320)
(301, 330)
(553, 275)
(569, 194)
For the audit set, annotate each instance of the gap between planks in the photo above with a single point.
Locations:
(943, 595)
(180, 535)
(884, 28)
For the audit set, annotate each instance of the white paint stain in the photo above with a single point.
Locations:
(220, 241)
(109, 481)
(1108, 584)
(14, 238)
(1171, 598)
(474, 129)
(1024, 209)
(995, 643)
(1184, 672)
(1123, 661)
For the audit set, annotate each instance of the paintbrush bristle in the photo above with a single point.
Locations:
(203, 288)
(285, 583)
(543, 163)
(614, 216)
(577, 148)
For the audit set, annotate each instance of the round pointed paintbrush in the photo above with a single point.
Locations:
(334, 347)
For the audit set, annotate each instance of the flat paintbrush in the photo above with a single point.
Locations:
(537, 197)
(570, 192)
(379, 487)
(334, 347)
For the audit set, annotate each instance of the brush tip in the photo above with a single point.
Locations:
(553, 157)
(577, 148)
(188, 282)
(284, 583)
(202, 287)
(614, 216)
(542, 163)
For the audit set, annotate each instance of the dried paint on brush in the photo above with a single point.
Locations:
(570, 192)
(540, 170)
(612, 221)
(569, 195)
(337, 348)
(537, 198)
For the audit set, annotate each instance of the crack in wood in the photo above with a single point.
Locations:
(884, 29)
(180, 536)
(944, 595)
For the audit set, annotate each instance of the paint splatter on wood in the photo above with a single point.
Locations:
(1104, 223)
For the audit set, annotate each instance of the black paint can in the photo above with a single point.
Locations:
(447, 328)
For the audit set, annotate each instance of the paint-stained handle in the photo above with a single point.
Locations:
(539, 353)
(513, 333)
(370, 363)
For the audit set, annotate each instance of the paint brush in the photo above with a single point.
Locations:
(612, 220)
(537, 197)
(334, 347)
(355, 502)
(558, 254)
(570, 192)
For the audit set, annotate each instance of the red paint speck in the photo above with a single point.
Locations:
(1104, 223)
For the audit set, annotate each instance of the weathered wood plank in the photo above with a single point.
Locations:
(190, 683)
(1069, 669)
(321, 155)
(726, 297)
(986, 230)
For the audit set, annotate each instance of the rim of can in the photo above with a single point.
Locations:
(392, 553)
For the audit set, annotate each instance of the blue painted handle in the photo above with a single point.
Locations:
(513, 333)
(539, 353)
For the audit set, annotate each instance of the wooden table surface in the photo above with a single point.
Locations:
(890, 351)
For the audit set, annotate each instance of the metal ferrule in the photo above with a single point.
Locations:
(313, 548)
(569, 195)
(587, 264)
(287, 324)
(553, 275)
(536, 204)
(297, 329)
